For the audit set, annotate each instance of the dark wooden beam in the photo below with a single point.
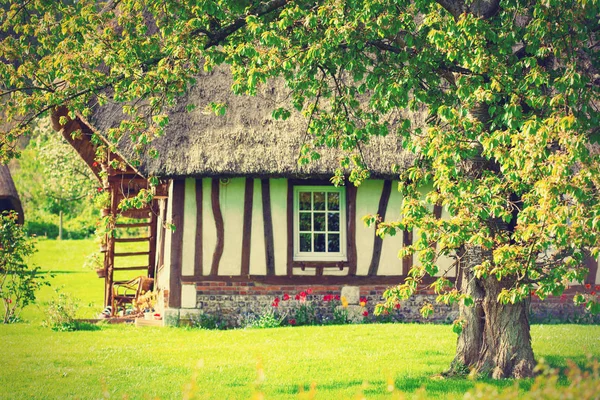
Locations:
(592, 265)
(407, 262)
(216, 208)
(176, 243)
(268, 226)
(290, 229)
(308, 280)
(198, 263)
(247, 226)
(351, 233)
(377, 241)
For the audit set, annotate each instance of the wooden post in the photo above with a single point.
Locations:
(60, 224)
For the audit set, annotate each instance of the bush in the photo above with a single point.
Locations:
(18, 282)
(61, 312)
(269, 318)
(208, 321)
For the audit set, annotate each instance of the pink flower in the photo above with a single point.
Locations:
(292, 321)
(9, 301)
(286, 297)
(309, 291)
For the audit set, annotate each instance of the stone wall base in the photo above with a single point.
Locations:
(234, 304)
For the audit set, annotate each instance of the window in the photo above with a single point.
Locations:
(319, 223)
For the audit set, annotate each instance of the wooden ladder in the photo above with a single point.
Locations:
(121, 187)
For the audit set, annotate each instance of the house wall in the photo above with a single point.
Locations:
(232, 238)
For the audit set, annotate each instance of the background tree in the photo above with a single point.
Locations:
(54, 182)
(509, 90)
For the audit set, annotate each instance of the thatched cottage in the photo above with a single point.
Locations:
(251, 224)
(9, 198)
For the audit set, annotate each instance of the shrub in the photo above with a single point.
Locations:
(209, 321)
(269, 318)
(18, 282)
(61, 312)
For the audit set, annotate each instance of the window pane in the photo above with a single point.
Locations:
(333, 201)
(305, 221)
(333, 243)
(305, 201)
(319, 243)
(319, 203)
(333, 222)
(319, 220)
(305, 242)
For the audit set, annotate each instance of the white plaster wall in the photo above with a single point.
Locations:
(446, 263)
(367, 202)
(390, 264)
(165, 275)
(258, 265)
(231, 198)
(209, 229)
(279, 215)
(188, 296)
(598, 274)
(188, 257)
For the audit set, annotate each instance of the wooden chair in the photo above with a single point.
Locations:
(127, 292)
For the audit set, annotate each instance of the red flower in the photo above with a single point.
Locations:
(9, 301)
(276, 300)
(363, 299)
(292, 321)
(397, 306)
(297, 297)
(327, 297)
(99, 189)
(94, 164)
(337, 296)
(309, 291)
(302, 294)
(588, 286)
(593, 293)
(365, 313)
(597, 287)
(286, 297)
(275, 304)
(563, 298)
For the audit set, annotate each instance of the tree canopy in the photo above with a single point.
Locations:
(510, 91)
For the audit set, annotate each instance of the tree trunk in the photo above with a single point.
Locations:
(495, 340)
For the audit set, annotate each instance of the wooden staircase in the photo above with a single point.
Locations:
(139, 226)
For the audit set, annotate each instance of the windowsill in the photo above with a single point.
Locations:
(320, 264)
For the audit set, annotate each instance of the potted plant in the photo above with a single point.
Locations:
(102, 201)
(95, 261)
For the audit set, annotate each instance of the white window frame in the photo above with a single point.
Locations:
(320, 256)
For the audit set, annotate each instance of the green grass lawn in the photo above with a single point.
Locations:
(144, 363)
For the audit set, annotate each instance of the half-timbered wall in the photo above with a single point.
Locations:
(236, 233)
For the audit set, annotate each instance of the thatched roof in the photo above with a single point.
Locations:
(9, 199)
(246, 141)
